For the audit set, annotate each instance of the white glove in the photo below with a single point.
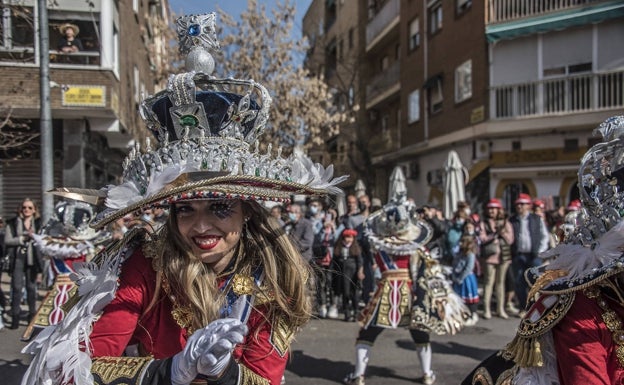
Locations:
(218, 348)
(184, 364)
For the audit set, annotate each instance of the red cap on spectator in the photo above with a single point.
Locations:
(575, 205)
(349, 233)
(494, 203)
(538, 203)
(523, 199)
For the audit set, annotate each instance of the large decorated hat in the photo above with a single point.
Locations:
(592, 251)
(207, 132)
(68, 234)
(396, 228)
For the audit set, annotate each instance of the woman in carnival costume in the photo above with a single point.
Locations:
(66, 239)
(217, 294)
(573, 332)
(413, 291)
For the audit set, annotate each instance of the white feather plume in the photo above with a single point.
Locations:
(578, 260)
(57, 349)
(159, 180)
(119, 197)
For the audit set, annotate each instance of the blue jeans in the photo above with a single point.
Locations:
(520, 264)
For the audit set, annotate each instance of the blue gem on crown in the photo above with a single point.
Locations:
(194, 30)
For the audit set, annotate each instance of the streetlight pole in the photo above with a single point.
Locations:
(47, 159)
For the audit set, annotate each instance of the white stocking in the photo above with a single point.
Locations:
(424, 355)
(361, 359)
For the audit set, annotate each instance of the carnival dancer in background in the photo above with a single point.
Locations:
(404, 294)
(572, 332)
(66, 239)
(218, 293)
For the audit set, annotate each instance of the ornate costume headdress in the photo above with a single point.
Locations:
(396, 228)
(207, 131)
(592, 251)
(68, 234)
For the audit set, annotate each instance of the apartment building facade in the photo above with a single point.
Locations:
(331, 28)
(514, 87)
(94, 93)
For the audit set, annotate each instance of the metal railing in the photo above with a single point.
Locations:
(498, 11)
(385, 16)
(578, 93)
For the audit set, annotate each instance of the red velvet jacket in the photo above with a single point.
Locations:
(123, 323)
(586, 352)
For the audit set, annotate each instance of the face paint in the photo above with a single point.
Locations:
(223, 209)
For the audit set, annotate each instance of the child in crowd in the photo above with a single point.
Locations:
(350, 271)
(464, 278)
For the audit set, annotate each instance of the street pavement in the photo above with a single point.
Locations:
(323, 353)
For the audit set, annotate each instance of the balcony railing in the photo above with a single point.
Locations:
(577, 93)
(506, 10)
(382, 19)
(90, 58)
(383, 81)
(382, 142)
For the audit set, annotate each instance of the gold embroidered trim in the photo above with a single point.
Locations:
(242, 284)
(611, 319)
(525, 349)
(123, 370)
(482, 376)
(545, 279)
(182, 314)
(282, 335)
(247, 377)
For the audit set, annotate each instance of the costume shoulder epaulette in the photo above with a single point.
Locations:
(541, 317)
(282, 335)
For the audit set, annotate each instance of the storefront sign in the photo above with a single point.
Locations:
(477, 115)
(84, 96)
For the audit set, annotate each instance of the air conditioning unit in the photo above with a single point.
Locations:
(481, 149)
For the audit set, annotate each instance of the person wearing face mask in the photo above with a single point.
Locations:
(322, 250)
(349, 271)
(300, 230)
(456, 228)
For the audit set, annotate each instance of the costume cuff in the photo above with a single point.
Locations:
(129, 370)
(229, 376)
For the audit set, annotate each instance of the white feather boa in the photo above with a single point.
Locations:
(58, 355)
(579, 261)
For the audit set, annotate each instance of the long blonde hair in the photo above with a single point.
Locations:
(288, 280)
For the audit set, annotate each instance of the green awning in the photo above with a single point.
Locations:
(555, 21)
